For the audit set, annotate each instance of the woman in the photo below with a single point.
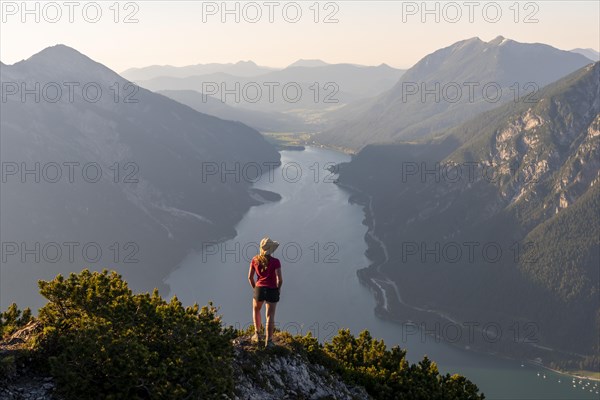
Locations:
(266, 288)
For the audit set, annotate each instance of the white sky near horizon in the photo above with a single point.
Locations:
(368, 33)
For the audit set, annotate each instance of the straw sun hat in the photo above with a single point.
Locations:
(268, 246)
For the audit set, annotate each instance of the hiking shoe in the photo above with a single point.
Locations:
(255, 338)
(269, 344)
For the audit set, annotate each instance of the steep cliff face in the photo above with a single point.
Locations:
(522, 179)
(547, 154)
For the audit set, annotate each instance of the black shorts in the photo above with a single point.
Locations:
(262, 293)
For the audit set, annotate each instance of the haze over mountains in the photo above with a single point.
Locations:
(151, 152)
(308, 63)
(592, 54)
(461, 72)
(263, 121)
(523, 178)
(543, 150)
(241, 68)
(321, 86)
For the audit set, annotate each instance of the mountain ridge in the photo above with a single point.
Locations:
(165, 210)
(402, 113)
(544, 160)
(93, 323)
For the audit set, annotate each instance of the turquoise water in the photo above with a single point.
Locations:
(322, 245)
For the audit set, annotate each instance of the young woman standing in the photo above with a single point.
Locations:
(266, 288)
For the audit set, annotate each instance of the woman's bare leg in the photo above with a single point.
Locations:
(270, 319)
(256, 307)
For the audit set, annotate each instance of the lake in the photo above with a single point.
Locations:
(321, 238)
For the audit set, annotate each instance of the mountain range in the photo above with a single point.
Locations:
(448, 87)
(144, 202)
(522, 179)
(592, 54)
(540, 143)
(308, 63)
(322, 87)
(241, 68)
(263, 121)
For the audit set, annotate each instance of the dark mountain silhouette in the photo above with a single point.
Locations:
(151, 152)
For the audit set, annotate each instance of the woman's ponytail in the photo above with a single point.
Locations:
(263, 261)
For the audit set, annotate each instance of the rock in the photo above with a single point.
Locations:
(22, 383)
(259, 373)
(280, 373)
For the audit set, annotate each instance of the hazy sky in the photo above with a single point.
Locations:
(373, 32)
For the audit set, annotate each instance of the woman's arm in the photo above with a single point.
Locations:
(251, 276)
(279, 278)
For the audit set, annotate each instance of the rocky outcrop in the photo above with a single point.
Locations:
(28, 388)
(259, 373)
(17, 380)
(280, 373)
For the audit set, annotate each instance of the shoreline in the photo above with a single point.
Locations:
(376, 284)
(566, 373)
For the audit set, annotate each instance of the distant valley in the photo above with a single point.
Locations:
(540, 141)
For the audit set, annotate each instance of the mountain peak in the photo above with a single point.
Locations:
(59, 55)
(308, 63)
(474, 39)
(248, 63)
(394, 116)
(499, 41)
(58, 50)
(64, 60)
(467, 43)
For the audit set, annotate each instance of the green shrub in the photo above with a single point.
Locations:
(13, 319)
(385, 374)
(101, 341)
(104, 342)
